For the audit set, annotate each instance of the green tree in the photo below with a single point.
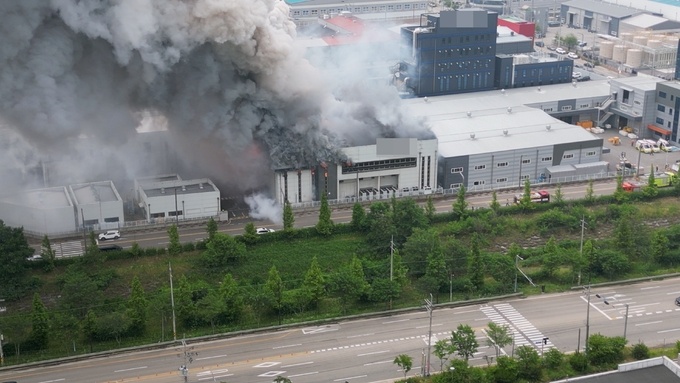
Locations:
(442, 350)
(570, 41)
(651, 189)
(460, 205)
(222, 249)
(464, 341)
(590, 192)
(250, 233)
(436, 271)
(660, 247)
(558, 198)
(79, 292)
(281, 379)
(92, 253)
(495, 205)
(211, 229)
(89, 328)
(475, 265)
(624, 237)
(525, 202)
(137, 306)
(47, 253)
(498, 337)
(529, 364)
(620, 195)
(14, 250)
(553, 358)
(640, 351)
(604, 350)
(418, 248)
(551, 257)
(407, 216)
(174, 247)
(349, 282)
(231, 295)
(288, 216)
(358, 217)
(405, 362)
(315, 282)
(325, 225)
(430, 210)
(40, 322)
(381, 229)
(274, 290)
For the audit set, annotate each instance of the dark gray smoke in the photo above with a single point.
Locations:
(237, 95)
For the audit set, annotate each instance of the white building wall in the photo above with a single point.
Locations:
(194, 205)
(39, 220)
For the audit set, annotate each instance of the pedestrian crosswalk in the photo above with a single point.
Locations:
(69, 249)
(523, 332)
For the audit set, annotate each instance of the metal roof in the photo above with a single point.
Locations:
(343, 4)
(646, 21)
(94, 192)
(169, 188)
(47, 198)
(489, 118)
(609, 9)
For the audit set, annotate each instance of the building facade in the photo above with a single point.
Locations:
(98, 205)
(165, 199)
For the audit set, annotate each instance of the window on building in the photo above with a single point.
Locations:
(305, 13)
(457, 170)
(502, 164)
(670, 111)
(584, 106)
(480, 167)
(659, 121)
(671, 97)
(296, 13)
(526, 161)
(398, 7)
(480, 182)
(591, 153)
(567, 156)
(661, 108)
(524, 177)
(548, 109)
(663, 95)
(501, 180)
(546, 159)
(566, 107)
(455, 186)
(315, 12)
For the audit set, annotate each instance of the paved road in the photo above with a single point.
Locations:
(362, 351)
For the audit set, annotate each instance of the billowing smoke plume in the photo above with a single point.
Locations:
(263, 207)
(236, 94)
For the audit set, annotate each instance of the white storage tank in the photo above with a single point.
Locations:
(634, 58)
(640, 40)
(672, 41)
(606, 49)
(654, 43)
(625, 36)
(619, 53)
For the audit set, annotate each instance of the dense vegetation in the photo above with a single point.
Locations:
(391, 255)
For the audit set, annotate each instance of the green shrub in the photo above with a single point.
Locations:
(188, 246)
(579, 362)
(553, 358)
(640, 351)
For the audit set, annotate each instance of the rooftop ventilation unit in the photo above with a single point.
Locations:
(469, 114)
(184, 188)
(548, 127)
(200, 185)
(162, 190)
(502, 91)
(505, 132)
(509, 109)
(426, 99)
(472, 136)
(539, 88)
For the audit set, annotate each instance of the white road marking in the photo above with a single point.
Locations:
(286, 346)
(215, 376)
(396, 321)
(350, 378)
(673, 293)
(645, 324)
(648, 288)
(358, 336)
(212, 372)
(266, 364)
(384, 361)
(50, 381)
(303, 374)
(211, 357)
(434, 325)
(373, 353)
(662, 331)
(131, 369)
(296, 364)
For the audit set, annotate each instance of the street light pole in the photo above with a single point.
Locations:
(587, 320)
(430, 308)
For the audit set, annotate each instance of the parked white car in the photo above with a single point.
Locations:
(111, 234)
(264, 230)
(572, 55)
(576, 75)
(560, 51)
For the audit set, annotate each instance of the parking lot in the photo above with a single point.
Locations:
(626, 150)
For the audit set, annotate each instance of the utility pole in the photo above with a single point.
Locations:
(391, 265)
(2, 355)
(583, 226)
(430, 308)
(587, 319)
(172, 303)
(188, 356)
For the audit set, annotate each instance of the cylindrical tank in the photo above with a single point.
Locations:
(671, 41)
(606, 49)
(654, 43)
(640, 40)
(625, 36)
(634, 58)
(619, 53)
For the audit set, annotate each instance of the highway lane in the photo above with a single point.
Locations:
(362, 351)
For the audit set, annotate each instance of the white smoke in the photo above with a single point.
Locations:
(262, 207)
(236, 94)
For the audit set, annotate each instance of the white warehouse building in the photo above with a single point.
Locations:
(97, 205)
(373, 172)
(40, 211)
(167, 198)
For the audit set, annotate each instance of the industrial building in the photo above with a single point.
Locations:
(392, 166)
(667, 112)
(166, 198)
(40, 211)
(97, 205)
(306, 12)
(461, 51)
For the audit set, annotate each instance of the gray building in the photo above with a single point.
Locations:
(597, 16)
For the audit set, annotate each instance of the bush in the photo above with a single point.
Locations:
(553, 358)
(188, 246)
(640, 351)
(578, 362)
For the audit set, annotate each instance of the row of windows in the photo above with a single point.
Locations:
(537, 72)
(483, 182)
(372, 9)
(460, 52)
(464, 65)
(662, 108)
(525, 161)
(468, 82)
(466, 39)
(379, 165)
(663, 95)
